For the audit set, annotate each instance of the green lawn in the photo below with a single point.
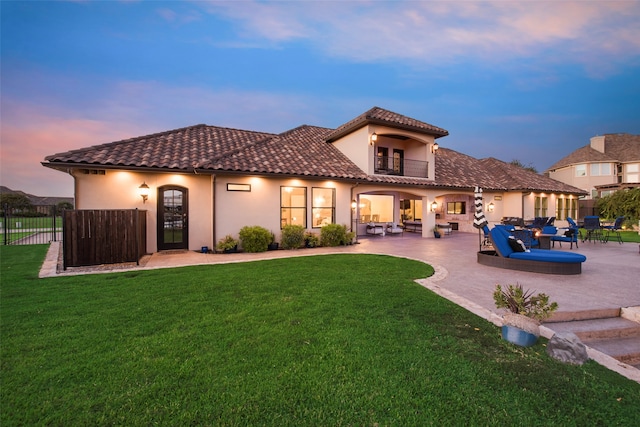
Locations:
(319, 341)
(626, 236)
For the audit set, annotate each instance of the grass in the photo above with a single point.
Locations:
(326, 340)
(626, 236)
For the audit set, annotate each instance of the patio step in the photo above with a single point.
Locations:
(603, 330)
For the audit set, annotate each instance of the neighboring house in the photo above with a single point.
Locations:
(609, 163)
(40, 204)
(206, 182)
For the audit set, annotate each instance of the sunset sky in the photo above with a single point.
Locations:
(526, 80)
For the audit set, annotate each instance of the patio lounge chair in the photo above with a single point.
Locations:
(615, 228)
(533, 260)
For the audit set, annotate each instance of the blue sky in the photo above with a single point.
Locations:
(527, 80)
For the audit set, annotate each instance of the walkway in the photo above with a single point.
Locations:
(610, 277)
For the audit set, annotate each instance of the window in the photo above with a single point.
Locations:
(560, 209)
(411, 210)
(323, 209)
(456, 208)
(566, 208)
(382, 159)
(541, 206)
(600, 169)
(573, 208)
(374, 208)
(293, 206)
(581, 170)
(633, 173)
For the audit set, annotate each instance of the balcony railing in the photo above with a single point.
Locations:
(386, 165)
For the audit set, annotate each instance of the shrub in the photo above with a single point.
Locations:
(292, 236)
(227, 243)
(334, 235)
(311, 240)
(255, 238)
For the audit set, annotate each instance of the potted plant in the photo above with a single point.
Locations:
(227, 244)
(521, 325)
(436, 232)
(273, 245)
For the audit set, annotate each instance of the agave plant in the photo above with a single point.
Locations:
(524, 302)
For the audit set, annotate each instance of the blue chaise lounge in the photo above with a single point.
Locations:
(533, 260)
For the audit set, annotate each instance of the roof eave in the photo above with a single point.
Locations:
(373, 121)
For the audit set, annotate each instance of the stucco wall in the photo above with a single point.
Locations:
(119, 190)
(261, 206)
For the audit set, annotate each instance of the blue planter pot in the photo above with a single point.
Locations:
(518, 336)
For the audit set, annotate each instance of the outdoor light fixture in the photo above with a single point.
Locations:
(490, 207)
(143, 190)
(373, 138)
(434, 148)
(434, 206)
(354, 204)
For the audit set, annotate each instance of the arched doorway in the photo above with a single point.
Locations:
(173, 218)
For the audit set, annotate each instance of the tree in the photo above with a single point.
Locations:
(15, 201)
(529, 167)
(64, 206)
(621, 203)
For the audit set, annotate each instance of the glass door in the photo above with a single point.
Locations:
(173, 230)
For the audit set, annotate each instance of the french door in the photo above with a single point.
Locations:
(173, 218)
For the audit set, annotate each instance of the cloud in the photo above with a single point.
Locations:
(596, 34)
(35, 128)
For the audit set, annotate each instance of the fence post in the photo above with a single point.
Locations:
(5, 223)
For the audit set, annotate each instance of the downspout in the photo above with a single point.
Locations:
(213, 213)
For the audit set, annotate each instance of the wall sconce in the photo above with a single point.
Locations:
(354, 204)
(490, 207)
(373, 138)
(143, 190)
(434, 206)
(434, 148)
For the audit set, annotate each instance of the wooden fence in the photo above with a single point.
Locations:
(93, 237)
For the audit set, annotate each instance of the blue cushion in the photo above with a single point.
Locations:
(549, 229)
(549, 256)
(499, 237)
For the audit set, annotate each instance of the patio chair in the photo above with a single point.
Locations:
(394, 228)
(538, 222)
(593, 228)
(570, 234)
(615, 228)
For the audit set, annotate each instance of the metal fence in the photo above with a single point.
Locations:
(34, 226)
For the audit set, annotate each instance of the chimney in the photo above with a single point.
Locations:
(597, 143)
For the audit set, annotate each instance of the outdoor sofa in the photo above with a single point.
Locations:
(533, 260)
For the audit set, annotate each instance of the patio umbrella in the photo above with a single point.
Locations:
(479, 221)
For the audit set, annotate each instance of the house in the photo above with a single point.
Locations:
(609, 163)
(40, 204)
(205, 182)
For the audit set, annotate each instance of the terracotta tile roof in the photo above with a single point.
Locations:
(380, 116)
(181, 149)
(303, 151)
(618, 147)
(454, 169)
(300, 151)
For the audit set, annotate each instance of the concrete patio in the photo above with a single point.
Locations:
(610, 277)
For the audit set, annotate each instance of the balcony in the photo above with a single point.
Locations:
(387, 165)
